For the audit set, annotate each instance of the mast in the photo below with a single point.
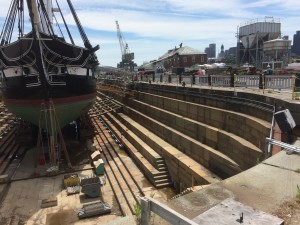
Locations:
(39, 18)
(36, 25)
(35, 18)
(49, 13)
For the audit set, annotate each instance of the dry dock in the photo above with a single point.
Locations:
(172, 142)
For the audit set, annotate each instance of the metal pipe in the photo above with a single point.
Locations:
(284, 145)
(271, 135)
(256, 54)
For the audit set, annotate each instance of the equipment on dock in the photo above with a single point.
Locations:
(95, 156)
(127, 57)
(98, 163)
(93, 209)
(49, 202)
(71, 183)
(90, 186)
(99, 167)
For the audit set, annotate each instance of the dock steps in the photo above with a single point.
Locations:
(150, 171)
(178, 160)
(211, 135)
(211, 158)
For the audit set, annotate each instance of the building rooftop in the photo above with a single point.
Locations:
(181, 51)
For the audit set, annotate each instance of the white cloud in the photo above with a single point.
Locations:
(161, 26)
(291, 5)
(152, 27)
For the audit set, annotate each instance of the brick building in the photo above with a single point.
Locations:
(182, 57)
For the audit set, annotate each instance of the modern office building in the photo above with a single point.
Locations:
(211, 51)
(296, 44)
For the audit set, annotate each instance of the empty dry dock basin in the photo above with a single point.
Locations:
(199, 144)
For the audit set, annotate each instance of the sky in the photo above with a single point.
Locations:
(152, 27)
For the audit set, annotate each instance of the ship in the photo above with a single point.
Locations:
(43, 64)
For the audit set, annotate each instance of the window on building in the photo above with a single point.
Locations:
(202, 58)
(193, 58)
(185, 59)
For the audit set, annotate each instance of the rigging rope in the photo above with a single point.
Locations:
(9, 23)
(7, 19)
(57, 24)
(46, 17)
(81, 31)
(21, 18)
(67, 28)
(85, 40)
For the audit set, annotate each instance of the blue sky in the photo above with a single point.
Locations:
(152, 27)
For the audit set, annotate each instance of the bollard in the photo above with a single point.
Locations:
(232, 79)
(146, 211)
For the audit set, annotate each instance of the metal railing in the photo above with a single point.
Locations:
(247, 81)
(288, 147)
(220, 81)
(149, 205)
(264, 82)
(278, 82)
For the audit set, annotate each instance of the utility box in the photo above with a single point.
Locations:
(93, 209)
(284, 120)
(71, 180)
(91, 186)
(71, 183)
(99, 167)
(95, 156)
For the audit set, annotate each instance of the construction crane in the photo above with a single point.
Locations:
(127, 57)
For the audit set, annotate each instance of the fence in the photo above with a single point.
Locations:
(278, 82)
(270, 82)
(288, 83)
(247, 81)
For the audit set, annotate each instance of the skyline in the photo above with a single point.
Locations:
(153, 27)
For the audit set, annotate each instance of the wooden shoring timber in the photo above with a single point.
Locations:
(62, 141)
(48, 115)
(53, 151)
